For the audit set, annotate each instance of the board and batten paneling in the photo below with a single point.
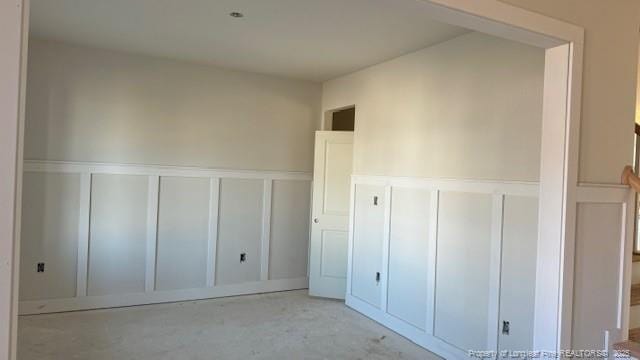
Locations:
(49, 235)
(441, 246)
(289, 240)
(183, 232)
(118, 236)
(239, 231)
(463, 269)
(368, 239)
(409, 254)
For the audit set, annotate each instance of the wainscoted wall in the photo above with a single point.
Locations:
(114, 235)
(604, 240)
(446, 262)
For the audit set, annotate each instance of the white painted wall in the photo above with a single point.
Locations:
(183, 239)
(95, 105)
(470, 107)
(609, 80)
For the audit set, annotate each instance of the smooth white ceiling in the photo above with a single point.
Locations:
(305, 39)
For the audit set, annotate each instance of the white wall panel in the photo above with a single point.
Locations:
(239, 231)
(462, 271)
(408, 255)
(289, 243)
(368, 240)
(117, 245)
(49, 235)
(597, 241)
(183, 225)
(518, 278)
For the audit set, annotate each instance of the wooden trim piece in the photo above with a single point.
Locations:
(83, 235)
(352, 206)
(434, 209)
(433, 343)
(500, 19)
(152, 232)
(266, 229)
(212, 241)
(159, 170)
(386, 242)
(519, 188)
(31, 307)
(602, 194)
(495, 272)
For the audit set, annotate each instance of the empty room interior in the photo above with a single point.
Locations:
(283, 179)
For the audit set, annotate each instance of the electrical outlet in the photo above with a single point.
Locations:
(40, 267)
(243, 257)
(505, 328)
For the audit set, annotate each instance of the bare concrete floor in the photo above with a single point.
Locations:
(286, 325)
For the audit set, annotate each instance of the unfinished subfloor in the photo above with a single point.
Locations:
(285, 325)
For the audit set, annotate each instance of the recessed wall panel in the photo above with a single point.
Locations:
(597, 260)
(518, 279)
(289, 243)
(368, 236)
(239, 231)
(117, 244)
(50, 208)
(462, 269)
(408, 255)
(183, 230)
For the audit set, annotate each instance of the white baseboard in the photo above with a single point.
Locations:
(412, 333)
(31, 307)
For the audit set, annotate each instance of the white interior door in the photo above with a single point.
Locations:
(330, 214)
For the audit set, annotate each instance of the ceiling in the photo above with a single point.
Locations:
(312, 40)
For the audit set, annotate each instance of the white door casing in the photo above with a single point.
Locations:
(330, 214)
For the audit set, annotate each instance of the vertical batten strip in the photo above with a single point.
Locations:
(495, 269)
(266, 229)
(152, 232)
(214, 208)
(431, 265)
(84, 214)
(352, 218)
(385, 248)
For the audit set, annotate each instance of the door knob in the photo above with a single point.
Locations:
(315, 220)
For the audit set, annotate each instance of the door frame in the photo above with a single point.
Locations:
(563, 43)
